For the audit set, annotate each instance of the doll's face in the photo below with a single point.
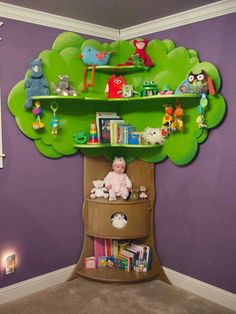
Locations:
(119, 168)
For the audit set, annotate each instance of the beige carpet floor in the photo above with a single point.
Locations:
(81, 296)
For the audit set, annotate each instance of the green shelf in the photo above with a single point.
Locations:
(94, 146)
(116, 69)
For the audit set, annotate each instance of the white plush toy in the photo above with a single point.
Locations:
(118, 220)
(153, 136)
(99, 190)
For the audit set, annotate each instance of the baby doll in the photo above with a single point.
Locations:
(117, 182)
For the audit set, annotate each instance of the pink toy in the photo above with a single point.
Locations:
(117, 182)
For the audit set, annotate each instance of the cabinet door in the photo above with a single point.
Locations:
(100, 219)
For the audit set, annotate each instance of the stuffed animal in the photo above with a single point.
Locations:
(118, 220)
(140, 46)
(64, 88)
(36, 84)
(92, 57)
(117, 182)
(114, 86)
(134, 194)
(153, 136)
(99, 190)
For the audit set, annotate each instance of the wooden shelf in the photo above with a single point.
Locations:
(118, 276)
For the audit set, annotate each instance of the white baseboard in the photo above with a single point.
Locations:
(202, 289)
(24, 288)
(190, 284)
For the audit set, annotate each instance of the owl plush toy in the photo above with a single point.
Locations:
(199, 84)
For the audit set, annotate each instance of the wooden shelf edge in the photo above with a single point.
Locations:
(117, 276)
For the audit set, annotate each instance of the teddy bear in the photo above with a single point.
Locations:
(153, 136)
(99, 190)
(117, 182)
(36, 84)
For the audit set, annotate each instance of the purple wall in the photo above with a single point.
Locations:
(41, 199)
(195, 205)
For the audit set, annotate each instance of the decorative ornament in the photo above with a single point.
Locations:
(55, 123)
(37, 111)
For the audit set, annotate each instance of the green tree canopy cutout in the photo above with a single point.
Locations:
(171, 66)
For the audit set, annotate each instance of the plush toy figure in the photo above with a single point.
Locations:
(153, 136)
(140, 46)
(36, 84)
(114, 86)
(99, 190)
(64, 88)
(118, 220)
(143, 192)
(117, 182)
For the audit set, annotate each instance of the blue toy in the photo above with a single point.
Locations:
(92, 57)
(36, 84)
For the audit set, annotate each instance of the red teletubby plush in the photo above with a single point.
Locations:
(140, 46)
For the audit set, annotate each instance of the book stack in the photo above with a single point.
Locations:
(125, 255)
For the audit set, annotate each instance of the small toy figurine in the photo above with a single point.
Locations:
(37, 111)
(92, 57)
(178, 116)
(114, 86)
(118, 220)
(166, 90)
(117, 182)
(148, 89)
(134, 194)
(80, 137)
(128, 91)
(143, 192)
(201, 121)
(99, 190)
(63, 87)
(55, 123)
(153, 136)
(36, 84)
(167, 121)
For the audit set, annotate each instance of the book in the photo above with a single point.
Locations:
(111, 262)
(124, 262)
(122, 245)
(98, 247)
(114, 130)
(115, 248)
(108, 247)
(145, 253)
(102, 261)
(103, 115)
(90, 263)
(105, 129)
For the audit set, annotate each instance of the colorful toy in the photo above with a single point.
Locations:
(201, 121)
(114, 86)
(128, 91)
(153, 136)
(63, 87)
(118, 220)
(36, 84)
(93, 136)
(178, 118)
(167, 121)
(80, 137)
(99, 190)
(143, 192)
(166, 91)
(37, 111)
(148, 89)
(117, 182)
(92, 57)
(140, 46)
(55, 123)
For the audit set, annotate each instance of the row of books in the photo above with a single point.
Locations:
(112, 129)
(122, 254)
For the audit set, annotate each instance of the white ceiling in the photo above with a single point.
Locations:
(118, 14)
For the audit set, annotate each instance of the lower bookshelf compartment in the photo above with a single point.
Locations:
(118, 276)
